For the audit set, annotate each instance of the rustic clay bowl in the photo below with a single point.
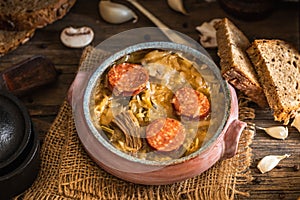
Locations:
(221, 141)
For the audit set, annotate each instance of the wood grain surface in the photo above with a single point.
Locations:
(283, 23)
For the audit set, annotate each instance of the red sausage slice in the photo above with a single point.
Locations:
(165, 134)
(127, 79)
(191, 103)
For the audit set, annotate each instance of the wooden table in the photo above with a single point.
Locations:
(281, 183)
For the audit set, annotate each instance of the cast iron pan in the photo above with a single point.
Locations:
(16, 178)
(18, 80)
(15, 129)
(19, 144)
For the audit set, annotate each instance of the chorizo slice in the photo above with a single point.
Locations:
(191, 103)
(127, 79)
(165, 134)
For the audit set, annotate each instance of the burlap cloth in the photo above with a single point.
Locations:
(67, 172)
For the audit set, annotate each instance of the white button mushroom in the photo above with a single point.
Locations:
(208, 38)
(77, 37)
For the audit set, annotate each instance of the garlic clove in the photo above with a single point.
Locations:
(268, 163)
(278, 132)
(177, 5)
(77, 37)
(296, 122)
(116, 13)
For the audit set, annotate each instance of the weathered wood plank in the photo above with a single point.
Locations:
(281, 183)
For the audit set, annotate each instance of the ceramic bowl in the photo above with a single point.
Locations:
(220, 143)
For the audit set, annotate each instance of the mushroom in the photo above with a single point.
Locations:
(77, 37)
(267, 163)
(128, 124)
(207, 31)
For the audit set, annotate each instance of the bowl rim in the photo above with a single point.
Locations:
(97, 73)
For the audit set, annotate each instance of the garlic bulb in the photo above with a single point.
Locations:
(116, 13)
(269, 162)
(278, 132)
(177, 5)
(296, 122)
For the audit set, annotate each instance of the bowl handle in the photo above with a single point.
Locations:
(232, 137)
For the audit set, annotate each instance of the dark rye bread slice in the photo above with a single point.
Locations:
(31, 14)
(236, 67)
(278, 66)
(10, 40)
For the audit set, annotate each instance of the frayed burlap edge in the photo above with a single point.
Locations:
(67, 172)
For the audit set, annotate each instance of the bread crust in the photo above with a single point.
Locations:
(236, 67)
(278, 66)
(32, 19)
(10, 40)
(18, 26)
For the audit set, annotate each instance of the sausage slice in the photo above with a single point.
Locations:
(165, 134)
(127, 79)
(191, 103)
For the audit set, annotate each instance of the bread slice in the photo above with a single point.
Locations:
(10, 40)
(278, 66)
(236, 67)
(32, 14)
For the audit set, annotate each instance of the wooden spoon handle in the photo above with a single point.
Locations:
(174, 37)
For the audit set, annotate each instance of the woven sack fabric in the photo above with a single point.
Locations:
(67, 172)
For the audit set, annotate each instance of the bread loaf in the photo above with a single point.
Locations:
(10, 40)
(236, 67)
(32, 14)
(278, 66)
